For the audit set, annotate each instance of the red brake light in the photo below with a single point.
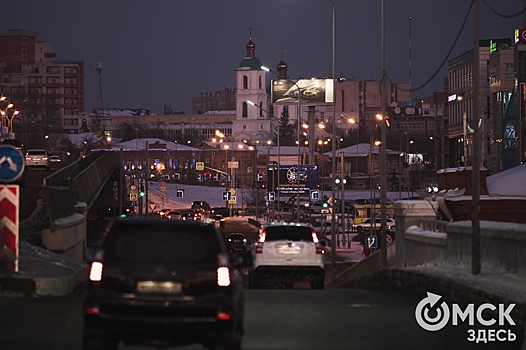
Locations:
(95, 271)
(223, 315)
(92, 310)
(315, 237)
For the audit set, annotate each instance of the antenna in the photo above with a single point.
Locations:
(410, 19)
(100, 102)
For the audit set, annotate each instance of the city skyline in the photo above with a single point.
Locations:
(169, 52)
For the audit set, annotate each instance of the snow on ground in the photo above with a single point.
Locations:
(214, 195)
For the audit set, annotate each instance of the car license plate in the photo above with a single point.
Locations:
(159, 287)
(289, 250)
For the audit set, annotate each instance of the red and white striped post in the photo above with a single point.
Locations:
(9, 207)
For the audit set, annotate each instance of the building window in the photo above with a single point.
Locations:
(260, 82)
(244, 111)
(261, 109)
(245, 82)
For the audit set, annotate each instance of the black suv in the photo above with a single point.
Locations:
(162, 283)
(200, 205)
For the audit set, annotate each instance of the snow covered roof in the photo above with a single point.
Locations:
(360, 150)
(507, 182)
(140, 144)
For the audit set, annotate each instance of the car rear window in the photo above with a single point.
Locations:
(36, 153)
(161, 243)
(291, 233)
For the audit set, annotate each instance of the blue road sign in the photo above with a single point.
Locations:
(177, 176)
(226, 195)
(216, 176)
(229, 178)
(271, 196)
(142, 175)
(199, 177)
(314, 194)
(259, 177)
(11, 163)
(180, 194)
(166, 177)
(371, 241)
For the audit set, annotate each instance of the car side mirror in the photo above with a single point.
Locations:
(323, 243)
(248, 243)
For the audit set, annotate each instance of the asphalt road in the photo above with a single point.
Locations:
(274, 319)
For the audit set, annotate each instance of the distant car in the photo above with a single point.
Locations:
(225, 211)
(288, 213)
(174, 215)
(55, 159)
(190, 216)
(37, 158)
(237, 242)
(164, 212)
(218, 220)
(200, 205)
(163, 283)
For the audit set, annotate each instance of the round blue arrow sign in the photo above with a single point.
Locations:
(12, 163)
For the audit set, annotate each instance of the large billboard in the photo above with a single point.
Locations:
(289, 181)
(315, 91)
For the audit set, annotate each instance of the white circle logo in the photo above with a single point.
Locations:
(423, 319)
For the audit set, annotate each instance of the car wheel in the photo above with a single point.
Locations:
(302, 216)
(359, 229)
(388, 238)
(247, 210)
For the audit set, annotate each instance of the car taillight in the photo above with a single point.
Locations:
(259, 249)
(28, 158)
(315, 237)
(224, 315)
(223, 276)
(92, 310)
(44, 158)
(95, 271)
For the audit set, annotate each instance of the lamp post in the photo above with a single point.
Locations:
(300, 94)
(8, 113)
(278, 145)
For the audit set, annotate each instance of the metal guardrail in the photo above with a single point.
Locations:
(81, 181)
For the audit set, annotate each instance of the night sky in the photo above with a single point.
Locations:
(159, 52)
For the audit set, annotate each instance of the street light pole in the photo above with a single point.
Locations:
(333, 153)
(383, 178)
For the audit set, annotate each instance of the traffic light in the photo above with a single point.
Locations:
(141, 192)
(325, 205)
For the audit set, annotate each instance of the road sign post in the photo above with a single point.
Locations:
(9, 206)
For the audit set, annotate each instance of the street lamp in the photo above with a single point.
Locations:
(278, 145)
(300, 95)
(8, 113)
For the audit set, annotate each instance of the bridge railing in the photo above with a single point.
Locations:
(80, 182)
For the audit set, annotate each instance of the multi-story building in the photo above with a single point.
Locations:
(48, 93)
(461, 93)
(500, 139)
(222, 100)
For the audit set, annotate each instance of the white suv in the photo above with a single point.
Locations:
(288, 253)
(37, 158)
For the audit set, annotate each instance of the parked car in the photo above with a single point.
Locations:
(36, 158)
(162, 283)
(366, 225)
(288, 213)
(225, 211)
(288, 253)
